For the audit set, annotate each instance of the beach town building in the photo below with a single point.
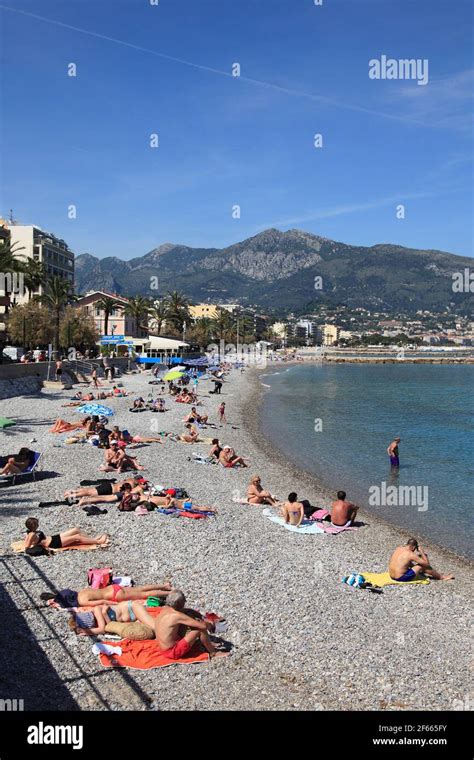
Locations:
(30, 241)
(119, 322)
(330, 334)
(204, 310)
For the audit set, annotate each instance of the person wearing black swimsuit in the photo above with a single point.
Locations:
(71, 537)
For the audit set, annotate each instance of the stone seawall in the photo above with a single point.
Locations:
(20, 386)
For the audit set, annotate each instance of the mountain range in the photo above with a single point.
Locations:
(286, 271)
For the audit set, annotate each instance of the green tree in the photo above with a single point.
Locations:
(78, 329)
(108, 304)
(56, 297)
(222, 324)
(178, 309)
(34, 274)
(30, 325)
(158, 315)
(139, 308)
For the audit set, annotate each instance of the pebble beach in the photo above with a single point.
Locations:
(301, 639)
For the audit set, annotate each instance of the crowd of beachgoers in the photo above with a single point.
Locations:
(169, 471)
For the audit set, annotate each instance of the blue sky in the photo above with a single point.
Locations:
(224, 140)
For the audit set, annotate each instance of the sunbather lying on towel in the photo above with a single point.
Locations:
(126, 496)
(257, 495)
(93, 621)
(70, 537)
(61, 426)
(410, 562)
(116, 460)
(106, 488)
(17, 463)
(125, 438)
(94, 597)
(177, 629)
(343, 513)
(170, 502)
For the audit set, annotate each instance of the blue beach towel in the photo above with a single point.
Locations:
(307, 526)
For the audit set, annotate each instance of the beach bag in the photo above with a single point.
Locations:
(129, 502)
(36, 551)
(99, 577)
(354, 579)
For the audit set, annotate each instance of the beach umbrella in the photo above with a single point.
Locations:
(95, 409)
(173, 374)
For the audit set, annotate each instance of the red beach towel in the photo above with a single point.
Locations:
(145, 655)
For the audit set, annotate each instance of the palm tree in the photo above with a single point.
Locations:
(56, 297)
(178, 308)
(35, 275)
(222, 323)
(107, 305)
(139, 308)
(158, 315)
(10, 264)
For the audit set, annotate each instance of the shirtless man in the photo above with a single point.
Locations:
(407, 562)
(116, 460)
(292, 510)
(228, 458)
(193, 416)
(257, 495)
(170, 629)
(392, 452)
(343, 513)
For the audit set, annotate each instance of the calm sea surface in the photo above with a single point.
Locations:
(336, 421)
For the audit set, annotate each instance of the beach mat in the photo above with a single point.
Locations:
(384, 579)
(307, 526)
(5, 422)
(145, 655)
(19, 547)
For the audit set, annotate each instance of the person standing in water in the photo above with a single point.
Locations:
(392, 451)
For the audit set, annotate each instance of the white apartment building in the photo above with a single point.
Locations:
(32, 242)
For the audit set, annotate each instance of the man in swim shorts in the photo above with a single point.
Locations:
(106, 488)
(410, 562)
(343, 513)
(177, 629)
(393, 453)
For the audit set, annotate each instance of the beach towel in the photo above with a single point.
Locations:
(384, 579)
(333, 530)
(5, 422)
(145, 655)
(19, 546)
(307, 526)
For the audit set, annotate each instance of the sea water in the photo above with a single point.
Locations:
(336, 421)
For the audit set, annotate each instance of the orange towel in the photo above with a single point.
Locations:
(19, 546)
(61, 426)
(144, 655)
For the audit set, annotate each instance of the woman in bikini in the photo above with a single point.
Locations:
(71, 537)
(191, 436)
(93, 622)
(94, 597)
(292, 510)
(17, 463)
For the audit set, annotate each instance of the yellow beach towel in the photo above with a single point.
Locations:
(19, 546)
(384, 579)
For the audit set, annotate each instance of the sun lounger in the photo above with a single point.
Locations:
(31, 470)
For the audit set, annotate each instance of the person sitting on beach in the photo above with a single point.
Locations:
(343, 513)
(215, 450)
(116, 460)
(17, 463)
(191, 436)
(158, 405)
(138, 403)
(292, 510)
(194, 416)
(410, 562)
(228, 458)
(114, 594)
(257, 495)
(177, 629)
(119, 392)
(71, 537)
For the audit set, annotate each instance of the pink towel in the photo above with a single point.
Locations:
(328, 528)
(320, 514)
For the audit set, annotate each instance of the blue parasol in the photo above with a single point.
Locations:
(95, 409)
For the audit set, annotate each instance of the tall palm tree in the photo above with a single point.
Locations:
(139, 308)
(178, 308)
(158, 314)
(56, 297)
(35, 275)
(10, 264)
(107, 305)
(222, 323)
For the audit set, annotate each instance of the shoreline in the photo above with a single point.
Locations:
(301, 639)
(324, 494)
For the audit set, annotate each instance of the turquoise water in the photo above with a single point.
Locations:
(336, 421)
